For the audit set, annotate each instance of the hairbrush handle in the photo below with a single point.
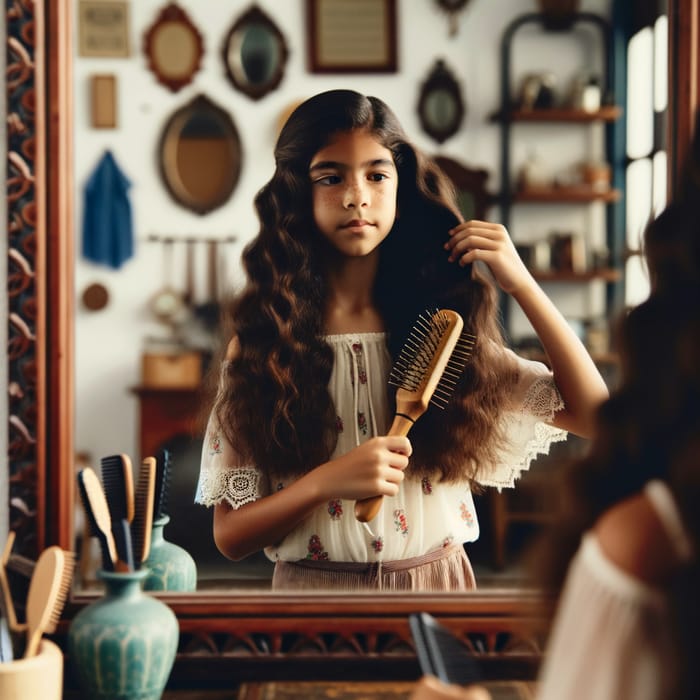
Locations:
(366, 509)
(426, 371)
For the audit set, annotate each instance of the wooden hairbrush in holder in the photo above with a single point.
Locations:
(426, 371)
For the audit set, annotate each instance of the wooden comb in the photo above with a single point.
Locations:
(426, 371)
(143, 510)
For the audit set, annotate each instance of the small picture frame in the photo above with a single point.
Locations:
(351, 36)
(568, 253)
(103, 28)
(103, 101)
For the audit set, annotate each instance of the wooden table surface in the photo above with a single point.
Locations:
(331, 690)
(363, 690)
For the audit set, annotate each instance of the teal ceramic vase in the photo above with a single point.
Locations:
(171, 567)
(122, 646)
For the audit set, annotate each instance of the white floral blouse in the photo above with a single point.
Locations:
(426, 514)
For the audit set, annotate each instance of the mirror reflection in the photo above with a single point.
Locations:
(198, 178)
(255, 54)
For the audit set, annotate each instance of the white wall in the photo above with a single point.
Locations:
(109, 343)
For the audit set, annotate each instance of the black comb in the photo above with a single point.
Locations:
(440, 653)
(160, 494)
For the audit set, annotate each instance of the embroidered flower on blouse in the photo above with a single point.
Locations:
(362, 422)
(400, 521)
(426, 486)
(377, 544)
(215, 447)
(335, 508)
(466, 514)
(315, 549)
(361, 371)
(448, 540)
(339, 424)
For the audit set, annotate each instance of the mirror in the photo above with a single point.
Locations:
(174, 47)
(473, 197)
(200, 155)
(225, 637)
(255, 54)
(440, 105)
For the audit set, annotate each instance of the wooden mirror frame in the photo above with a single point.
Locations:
(254, 16)
(167, 155)
(172, 14)
(440, 79)
(224, 640)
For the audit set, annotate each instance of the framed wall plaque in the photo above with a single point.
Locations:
(103, 28)
(351, 36)
(103, 101)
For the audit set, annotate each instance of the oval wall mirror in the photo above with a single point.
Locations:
(200, 155)
(440, 105)
(255, 54)
(174, 47)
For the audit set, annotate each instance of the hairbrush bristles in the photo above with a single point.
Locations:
(415, 361)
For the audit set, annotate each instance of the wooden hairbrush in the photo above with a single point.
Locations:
(47, 595)
(426, 371)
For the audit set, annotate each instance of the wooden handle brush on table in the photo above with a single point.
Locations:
(426, 371)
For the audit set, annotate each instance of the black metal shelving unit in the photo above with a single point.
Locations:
(509, 113)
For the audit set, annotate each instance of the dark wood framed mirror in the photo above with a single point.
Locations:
(255, 54)
(174, 47)
(473, 196)
(200, 155)
(224, 639)
(441, 107)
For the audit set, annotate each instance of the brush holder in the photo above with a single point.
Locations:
(171, 567)
(122, 646)
(40, 676)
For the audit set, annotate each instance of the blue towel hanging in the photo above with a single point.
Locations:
(107, 224)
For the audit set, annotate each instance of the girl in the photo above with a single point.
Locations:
(623, 559)
(359, 233)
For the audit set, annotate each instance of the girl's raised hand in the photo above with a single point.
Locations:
(482, 240)
(371, 469)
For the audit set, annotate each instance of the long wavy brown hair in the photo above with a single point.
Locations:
(273, 403)
(650, 426)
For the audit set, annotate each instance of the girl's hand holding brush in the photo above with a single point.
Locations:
(374, 467)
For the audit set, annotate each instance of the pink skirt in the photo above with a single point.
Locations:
(444, 569)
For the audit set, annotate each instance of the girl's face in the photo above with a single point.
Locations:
(354, 184)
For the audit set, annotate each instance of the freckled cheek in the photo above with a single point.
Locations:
(324, 204)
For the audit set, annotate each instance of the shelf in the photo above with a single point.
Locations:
(607, 274)
(605, 114)
(566, 195)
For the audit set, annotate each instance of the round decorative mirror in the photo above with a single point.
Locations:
(200, 155)
(255, 54)
(440, 106)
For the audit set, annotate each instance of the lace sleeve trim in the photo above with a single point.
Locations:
(543, 399)
(236, 486)
(527, 433)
